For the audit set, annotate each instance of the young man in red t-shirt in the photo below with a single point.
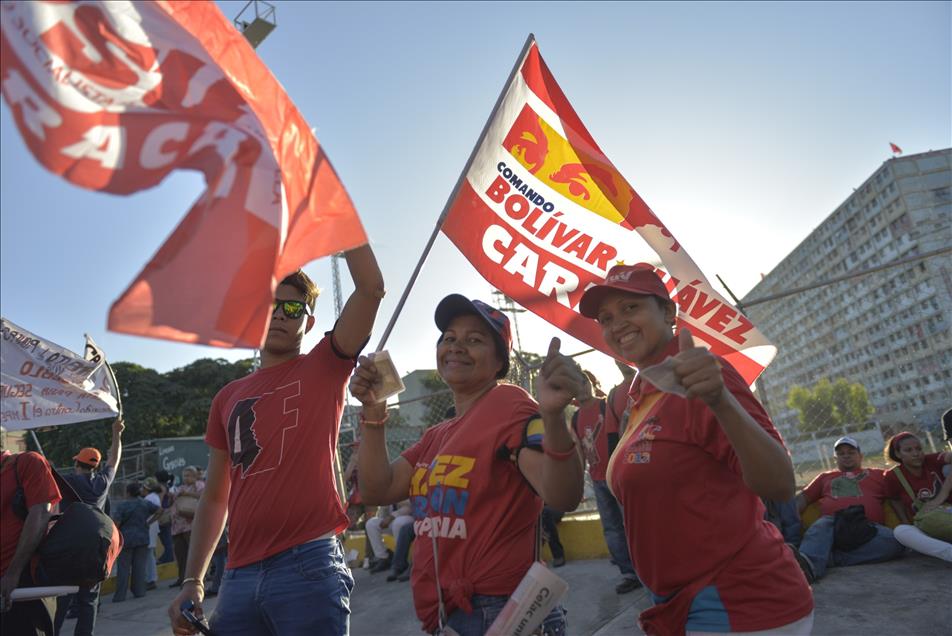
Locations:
(849, 485)
(22, 526)
(596, 425)
(272, 438)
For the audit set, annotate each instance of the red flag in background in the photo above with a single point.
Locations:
(896, 149)
(114, 96)
(542, 214)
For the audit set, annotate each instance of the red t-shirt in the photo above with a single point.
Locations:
(925, 486)
(837, 490)
(589, 424)
(280, 427)
(38, 487)
(692, 522)
(467, 490)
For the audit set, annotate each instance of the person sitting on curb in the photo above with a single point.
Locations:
(836, 490)
(389, 520)
(920, 492)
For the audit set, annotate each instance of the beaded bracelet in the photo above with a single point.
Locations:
(374, 423)
(559, 456)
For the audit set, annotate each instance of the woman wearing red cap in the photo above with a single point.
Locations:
(476, 480)
(920, 485)
(689, 472)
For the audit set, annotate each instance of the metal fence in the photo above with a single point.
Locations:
(410, 417)
(811, 452)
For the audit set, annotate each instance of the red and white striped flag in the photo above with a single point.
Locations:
(542, 214)
(114, 96)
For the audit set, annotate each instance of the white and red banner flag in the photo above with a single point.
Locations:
(543, 214)
(44, 384)
(113, 96)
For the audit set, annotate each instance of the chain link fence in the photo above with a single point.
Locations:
(419, 410)
(812, 452)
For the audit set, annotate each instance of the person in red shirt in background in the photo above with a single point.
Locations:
(927, 478)
(23, 523)
(849, 485)
(689, 473)
(272, 437)
(597, 431)
(478, 479)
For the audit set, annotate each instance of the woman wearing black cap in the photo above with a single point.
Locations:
(477, 480)
(689, 472)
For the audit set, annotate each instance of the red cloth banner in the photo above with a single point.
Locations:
(543, 214)
(114, 96)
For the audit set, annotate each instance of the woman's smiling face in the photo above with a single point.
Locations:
(636, 326)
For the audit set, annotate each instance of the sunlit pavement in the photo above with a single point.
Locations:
(910, 596)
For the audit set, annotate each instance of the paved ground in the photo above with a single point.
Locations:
(910, 596)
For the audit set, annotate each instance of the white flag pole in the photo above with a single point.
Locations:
(449, 201)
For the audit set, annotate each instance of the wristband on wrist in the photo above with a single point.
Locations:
(374, 423)
(194, 579)
(559, 456)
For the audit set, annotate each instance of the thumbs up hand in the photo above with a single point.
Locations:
(558, 382)
(698, 370)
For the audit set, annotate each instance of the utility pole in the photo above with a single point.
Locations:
(509, 306)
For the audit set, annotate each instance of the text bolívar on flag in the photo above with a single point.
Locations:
(44, 384)
(114, 96)
(543, 214)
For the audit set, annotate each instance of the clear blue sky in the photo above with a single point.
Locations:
(741, 124)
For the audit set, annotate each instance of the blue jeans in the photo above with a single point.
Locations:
(817, 545)
(86, 602)
(401, 552)
(219, 558)
(487, 608)
(134, 561)
(168, 550)
(784, 515)
(614, 528)
(304, 590)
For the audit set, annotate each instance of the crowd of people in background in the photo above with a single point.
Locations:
(686, 483)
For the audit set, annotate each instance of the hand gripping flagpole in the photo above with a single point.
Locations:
(449, 201)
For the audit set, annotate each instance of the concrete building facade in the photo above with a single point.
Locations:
(890, 330)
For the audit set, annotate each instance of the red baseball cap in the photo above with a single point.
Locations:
(635, 279)
(89, 456)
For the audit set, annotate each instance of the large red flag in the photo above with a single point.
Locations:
(113, 96)
(543, 214)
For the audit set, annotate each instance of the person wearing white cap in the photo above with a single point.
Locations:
(842, 536)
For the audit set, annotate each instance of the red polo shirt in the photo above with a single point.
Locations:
(693, 524)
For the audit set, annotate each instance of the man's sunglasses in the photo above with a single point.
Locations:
(293, 309)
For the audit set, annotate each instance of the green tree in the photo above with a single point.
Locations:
(831, 405)
(172, 404)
